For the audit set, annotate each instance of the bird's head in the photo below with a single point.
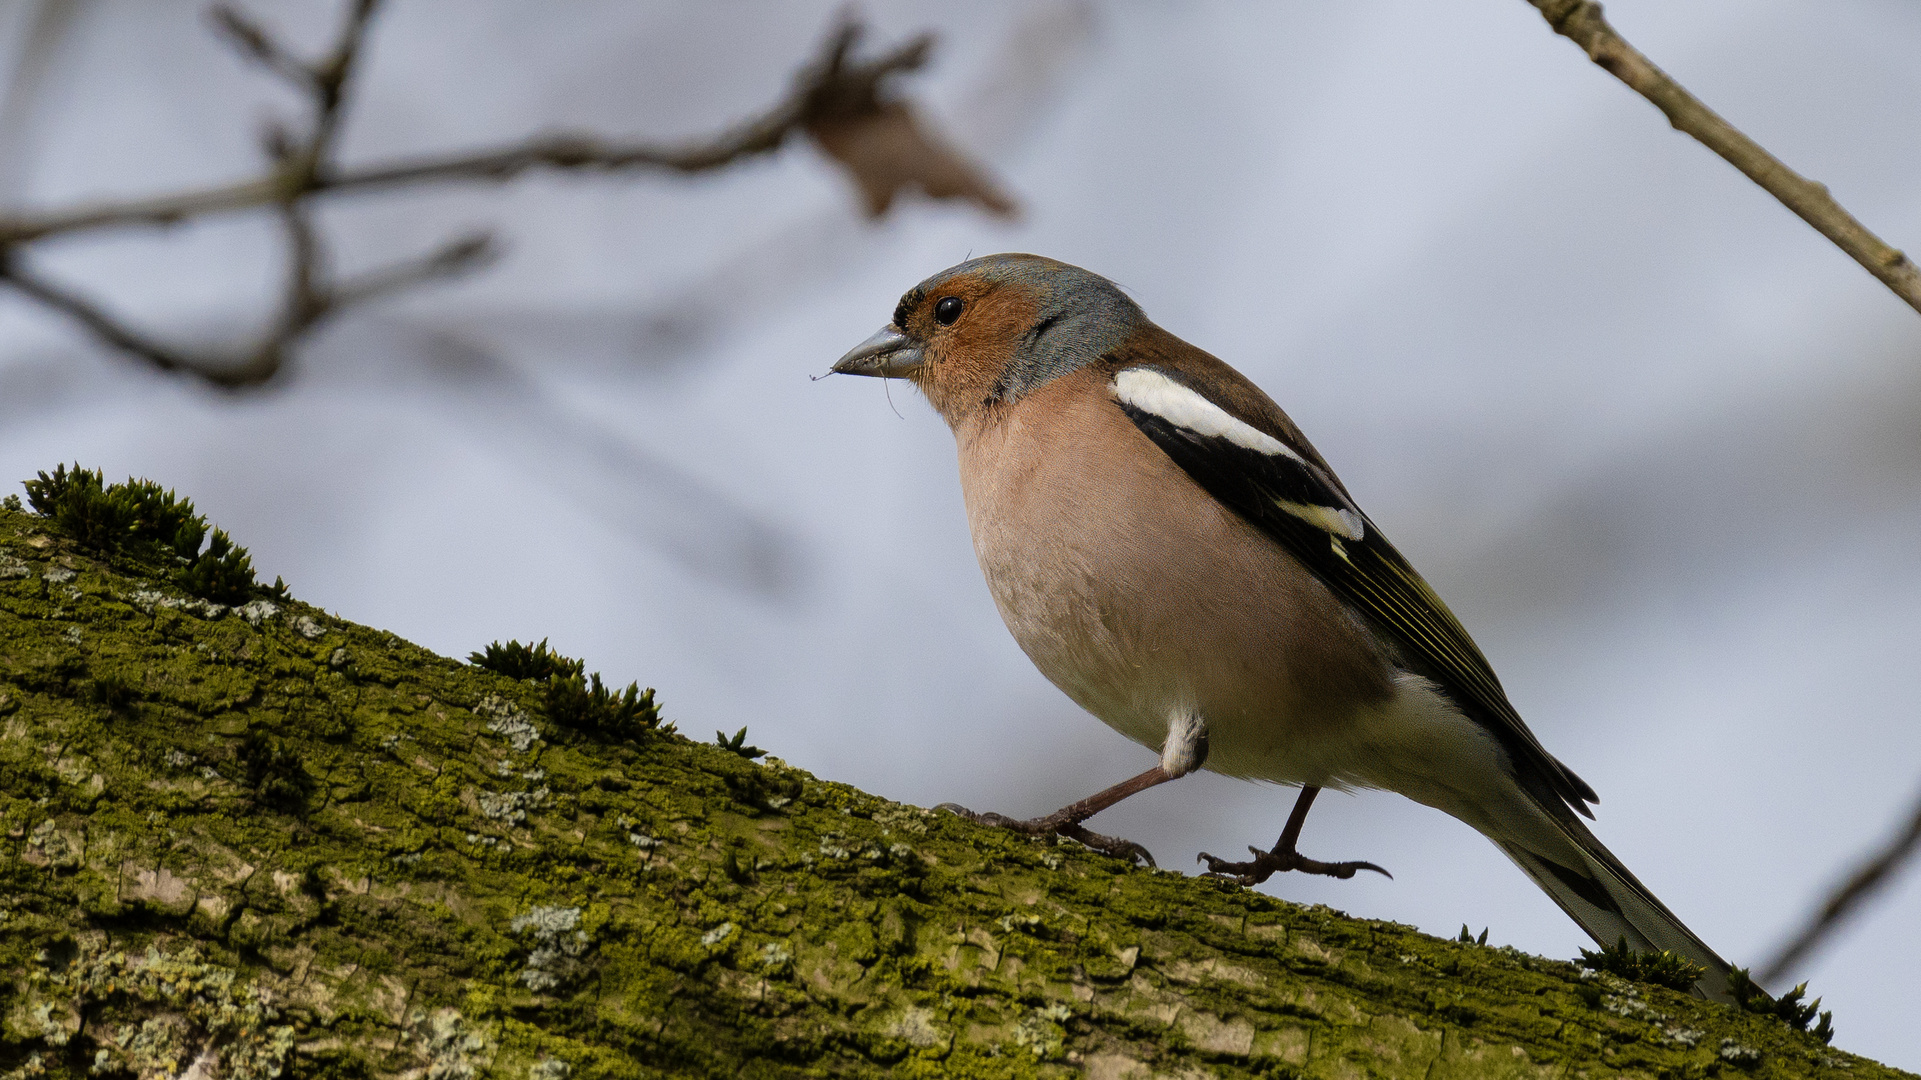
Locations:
(992, 329)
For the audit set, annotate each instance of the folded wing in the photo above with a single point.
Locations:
(1297, 503)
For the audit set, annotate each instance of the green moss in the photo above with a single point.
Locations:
(517, 661)
(570, 699)
(295, 843)
(738, 744)
(1791, 1008)
(273, 771)
(142, 519)
(1663, 968)
(223, 573)
(584, 705)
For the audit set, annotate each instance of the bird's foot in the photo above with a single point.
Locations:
(1059, 824)
(1266, 864)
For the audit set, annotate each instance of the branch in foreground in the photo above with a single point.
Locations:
(309, 848)
(1581, 21)
(1862, 884)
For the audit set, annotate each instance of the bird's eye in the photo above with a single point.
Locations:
(948, 310)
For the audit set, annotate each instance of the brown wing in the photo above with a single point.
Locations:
(1293, 498)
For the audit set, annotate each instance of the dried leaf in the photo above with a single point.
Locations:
(886, 149)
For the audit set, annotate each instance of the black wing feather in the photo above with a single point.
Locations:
(1367, 572)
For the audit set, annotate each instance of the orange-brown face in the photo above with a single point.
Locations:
(969, 329)
(993, 328)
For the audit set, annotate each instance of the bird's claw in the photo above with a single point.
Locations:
(1054, 824)
(1031, 826)
(1119, 847)
(1266, 864)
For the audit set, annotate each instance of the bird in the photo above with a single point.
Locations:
(1172, 553)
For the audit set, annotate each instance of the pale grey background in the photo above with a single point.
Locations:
(1654, 439)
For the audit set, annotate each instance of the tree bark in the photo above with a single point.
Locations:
(266, 842)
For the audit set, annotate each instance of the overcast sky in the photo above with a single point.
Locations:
(1653, 438)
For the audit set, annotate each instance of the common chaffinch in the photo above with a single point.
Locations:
(1171, 551)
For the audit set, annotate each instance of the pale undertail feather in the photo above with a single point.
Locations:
(1426, 748)
(1608, 902)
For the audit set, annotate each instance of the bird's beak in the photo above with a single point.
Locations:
(888, 354)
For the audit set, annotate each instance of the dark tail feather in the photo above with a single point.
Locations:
(1611, 904)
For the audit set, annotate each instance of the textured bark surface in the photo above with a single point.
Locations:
(264, 841)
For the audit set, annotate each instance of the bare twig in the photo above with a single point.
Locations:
(821, 91)
(331, 77)
(1863, 883)
(306, 294)
(158, 210)
(458, 256)
(257, 45)
(297, 163)
(1581, 21)
(831, 90)
(104, 326)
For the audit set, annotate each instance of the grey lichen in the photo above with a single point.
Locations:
(155, 1012)
(512, 806)
(919, 1027)
(452, 1048)
(1040, 1031)
(254, 611)
(149, 599)
(509, 721)
(49, 846)
(559, 946)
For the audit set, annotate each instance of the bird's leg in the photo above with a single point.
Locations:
(1267, 863)
(1067, 820)
(1183, 752)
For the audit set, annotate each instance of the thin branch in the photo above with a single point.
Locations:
(829, 90)
(155, 210)
(459, 256)
(1581, 21)
(1863, 883)
(103, 325)
(823, 89)
(308, 304)
(309, 297)
(331, 79)
(305, 294)
(253, 42)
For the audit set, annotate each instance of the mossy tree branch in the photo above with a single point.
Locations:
(1582, 22)
(271, 842)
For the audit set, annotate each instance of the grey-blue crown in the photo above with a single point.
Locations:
(1081, 316)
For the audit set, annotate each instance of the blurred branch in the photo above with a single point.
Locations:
(456, 257)
(839, 102)
(1862, 884)
(1581, 22)
(257, 45)
(104, 326)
